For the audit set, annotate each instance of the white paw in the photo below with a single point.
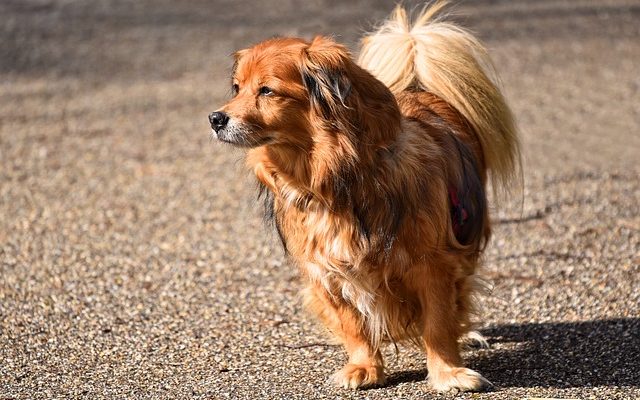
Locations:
(458, 379)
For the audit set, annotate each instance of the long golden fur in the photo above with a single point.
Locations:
(375, 177)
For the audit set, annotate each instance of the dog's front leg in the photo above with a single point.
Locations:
(365, 366)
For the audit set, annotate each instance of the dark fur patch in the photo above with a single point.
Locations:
(471, 196)
(377, 210)
(269, 216)
(328, 90)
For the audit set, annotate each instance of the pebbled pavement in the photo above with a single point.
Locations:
(133, 259)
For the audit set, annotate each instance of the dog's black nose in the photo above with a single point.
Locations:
(218, 120)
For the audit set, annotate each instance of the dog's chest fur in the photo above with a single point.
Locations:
(316, 235)
(331, 252)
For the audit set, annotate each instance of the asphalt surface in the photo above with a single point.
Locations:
(133, 258)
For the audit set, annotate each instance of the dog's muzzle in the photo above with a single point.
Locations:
(218, 120)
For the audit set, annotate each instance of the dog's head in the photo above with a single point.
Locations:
(287, 90)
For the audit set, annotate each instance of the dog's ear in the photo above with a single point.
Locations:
(236, 59)
(324, 74)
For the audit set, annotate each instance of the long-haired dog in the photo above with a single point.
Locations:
(374, 173)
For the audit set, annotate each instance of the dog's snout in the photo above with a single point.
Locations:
(218, 120)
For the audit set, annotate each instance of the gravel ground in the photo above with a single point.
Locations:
(133, 259)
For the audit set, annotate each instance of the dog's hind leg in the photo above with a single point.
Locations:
(365, 366)
(441, 331)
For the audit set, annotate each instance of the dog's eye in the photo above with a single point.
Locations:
(265, 91)
(235, 88)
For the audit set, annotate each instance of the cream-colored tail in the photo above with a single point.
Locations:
(446, 60)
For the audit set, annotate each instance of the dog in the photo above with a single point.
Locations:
(375, 174)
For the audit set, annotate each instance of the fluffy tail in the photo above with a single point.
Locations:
(446, 60)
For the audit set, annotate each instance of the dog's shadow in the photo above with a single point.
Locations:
(555, 355)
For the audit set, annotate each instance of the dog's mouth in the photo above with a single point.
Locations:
(239, 136)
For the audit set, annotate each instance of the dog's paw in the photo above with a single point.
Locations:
(474, 340)
(458, 380)
(353, 376)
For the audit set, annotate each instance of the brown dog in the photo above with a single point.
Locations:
(374, 174)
